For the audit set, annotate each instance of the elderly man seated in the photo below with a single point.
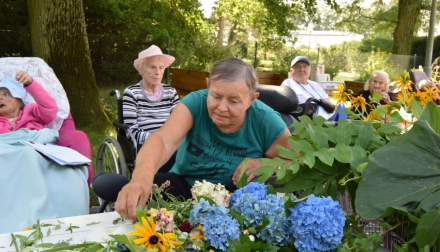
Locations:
(300, 69)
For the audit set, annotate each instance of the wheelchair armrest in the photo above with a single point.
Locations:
(121, 125)
(280, 98)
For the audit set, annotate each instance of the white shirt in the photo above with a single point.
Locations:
(304, 92)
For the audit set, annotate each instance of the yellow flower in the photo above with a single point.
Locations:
(359, 102)
(404, 83)
(151, 239)
(197, 233)
(341, 96)
(431, 93)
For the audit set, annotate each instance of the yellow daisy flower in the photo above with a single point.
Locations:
(359, 102)
(431, 93)
(341, 96)
(151, 239)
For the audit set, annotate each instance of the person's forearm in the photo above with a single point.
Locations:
(150, 158)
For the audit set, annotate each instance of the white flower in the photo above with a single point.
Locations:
(217, 193)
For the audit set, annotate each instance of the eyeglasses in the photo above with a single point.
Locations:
(301, 67)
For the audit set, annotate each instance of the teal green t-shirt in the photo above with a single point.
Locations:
(208, 154)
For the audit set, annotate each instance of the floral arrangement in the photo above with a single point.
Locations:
(253, 218)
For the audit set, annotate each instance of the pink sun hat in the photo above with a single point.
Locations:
(153, 51)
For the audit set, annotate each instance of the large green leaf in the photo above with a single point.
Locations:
(404, 173)
(432, 115)
(365, 135)
(428, 229)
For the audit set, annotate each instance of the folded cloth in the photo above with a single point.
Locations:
(32, 187)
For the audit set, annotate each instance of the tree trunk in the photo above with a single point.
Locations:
(59, 36)
(409, 11)
(221, 29)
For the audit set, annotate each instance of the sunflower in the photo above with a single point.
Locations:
(151, 239)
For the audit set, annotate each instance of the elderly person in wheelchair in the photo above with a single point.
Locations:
(147, 104)
(33, 186)
(214, 130)
(310, 94)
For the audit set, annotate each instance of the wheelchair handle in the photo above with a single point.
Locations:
(115, 92)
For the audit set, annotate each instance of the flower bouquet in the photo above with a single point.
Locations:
(253, 218)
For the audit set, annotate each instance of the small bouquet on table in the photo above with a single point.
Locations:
(253, 218)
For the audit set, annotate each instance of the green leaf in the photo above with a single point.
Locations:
(299, 145)
(376, 97)
(365, 135)
(428, 229)
(242, 181)
(308, 158)
(417, 109)
(293, 166)
(140, 213)
(396, 117)
(343, 132)
(319, 139)
(286, 153)
(343, 153)
(432, 115)
(389, 128)
(326, 156)
(403, 174)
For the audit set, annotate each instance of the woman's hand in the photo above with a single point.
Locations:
(23, 78)
(385, 97)
(252, 165)
(135, 193)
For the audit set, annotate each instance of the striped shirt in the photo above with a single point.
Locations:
(143, 115)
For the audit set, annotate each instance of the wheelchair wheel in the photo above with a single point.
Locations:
(110, 158)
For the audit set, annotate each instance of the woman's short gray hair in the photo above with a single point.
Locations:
(233, 69)
(379, 72)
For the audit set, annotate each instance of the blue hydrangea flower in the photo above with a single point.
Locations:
(317, 224)
(199, 211)
(257, 189)
(219, 226)
(277, 232)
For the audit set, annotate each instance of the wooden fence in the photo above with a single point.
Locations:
(185, 81)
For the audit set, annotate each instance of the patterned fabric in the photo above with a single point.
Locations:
(45, 76)
(143, 115)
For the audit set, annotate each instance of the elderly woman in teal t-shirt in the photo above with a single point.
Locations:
(214, 131)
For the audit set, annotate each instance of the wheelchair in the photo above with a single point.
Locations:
(118, 155)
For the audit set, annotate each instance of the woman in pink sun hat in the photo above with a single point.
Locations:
(148, 103)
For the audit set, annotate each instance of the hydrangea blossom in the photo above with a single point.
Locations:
(272, 207)
(199, 212)
(216, 192)
(217, 224)
(257, 189)
(317, 224)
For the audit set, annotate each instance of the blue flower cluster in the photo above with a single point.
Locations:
(317, 224)
(217, 224)
(257, 189)
(254, 204)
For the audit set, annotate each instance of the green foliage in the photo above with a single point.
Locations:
(420, 43)
(377, 44)
(376, 60)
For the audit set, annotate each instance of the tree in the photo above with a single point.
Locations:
(399, 19)
(58, 34)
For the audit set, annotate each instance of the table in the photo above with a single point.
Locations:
(91, 228)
